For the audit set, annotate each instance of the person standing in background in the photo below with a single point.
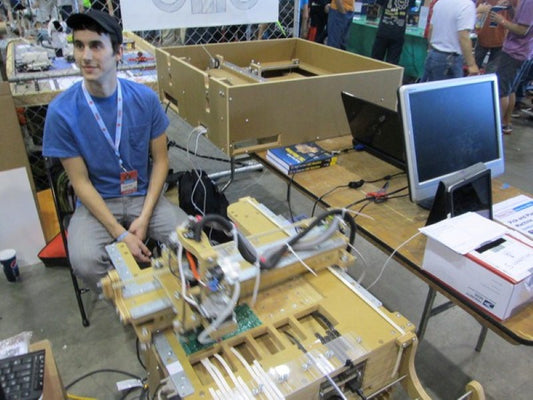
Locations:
(489, 37)
(318, 13)
(516, 50)
(391, 30)
(449, 38)
(339, 21)
(304, 19)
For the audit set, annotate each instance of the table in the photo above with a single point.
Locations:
(38, 88)
(361, 39)
(397, 220)
(53, 386)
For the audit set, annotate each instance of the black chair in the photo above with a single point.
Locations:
(64, 202)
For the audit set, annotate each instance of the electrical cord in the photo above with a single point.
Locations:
(319, 199)
(274, 255)
(291, 217)
(385, 178)
(377, 197)
(390, 258)
(100, 371)
(296, 342)
(138, 353)
(172, 143)
(353, 185)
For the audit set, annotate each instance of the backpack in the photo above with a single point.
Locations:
(198, 194)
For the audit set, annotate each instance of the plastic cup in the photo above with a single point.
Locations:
(8, 258)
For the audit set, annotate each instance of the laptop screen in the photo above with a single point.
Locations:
(377, 129)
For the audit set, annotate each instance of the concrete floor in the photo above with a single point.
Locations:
(43, 303)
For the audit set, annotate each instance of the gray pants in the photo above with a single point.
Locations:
(87, 237)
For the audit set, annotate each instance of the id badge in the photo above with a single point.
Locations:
(128, 182)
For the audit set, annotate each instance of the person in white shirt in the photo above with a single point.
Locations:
(449, 38)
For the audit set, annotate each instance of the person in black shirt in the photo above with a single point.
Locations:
(318, 13)
(391, 31)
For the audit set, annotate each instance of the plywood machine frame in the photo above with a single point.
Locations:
(318, 333)
(260, 94)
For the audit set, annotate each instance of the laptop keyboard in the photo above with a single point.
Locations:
(21, 377)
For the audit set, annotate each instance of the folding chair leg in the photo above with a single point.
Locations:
(77, 290)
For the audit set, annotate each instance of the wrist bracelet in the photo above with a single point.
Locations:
(122, 236)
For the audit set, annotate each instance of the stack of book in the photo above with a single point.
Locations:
(300, 157)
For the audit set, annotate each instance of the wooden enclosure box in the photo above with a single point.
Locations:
(260, 94)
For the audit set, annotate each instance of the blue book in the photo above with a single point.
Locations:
(300, 157)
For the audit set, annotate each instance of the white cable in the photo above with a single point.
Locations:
(248, 368)
(266, 379)
(365, 264)
(217, 377)
(257, 281)
(200, 130)
(289, 247)
(244, 392)
(397, 363)
(246, 388)
(214, 394)
(188, 299)
(390, 258)
(359, 214)
(203, 337)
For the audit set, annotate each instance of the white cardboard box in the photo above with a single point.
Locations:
(497, 277)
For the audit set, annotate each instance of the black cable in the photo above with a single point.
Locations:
(172, 143)
(130, 391)
(358, 202)
(291, 217)
(99, 371)
(326, 321)
(273, 258)
(385, 178)
(324, 195)
(216, 221)
(138, 353)
(295, 341)
(157, 389)
(363, 207)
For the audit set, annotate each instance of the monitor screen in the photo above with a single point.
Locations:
(449, 125)
(376, 128)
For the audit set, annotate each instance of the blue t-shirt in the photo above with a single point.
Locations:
(70, 130)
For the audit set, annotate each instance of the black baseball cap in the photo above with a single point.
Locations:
(108, 23)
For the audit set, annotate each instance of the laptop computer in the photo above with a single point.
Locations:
(376, 129)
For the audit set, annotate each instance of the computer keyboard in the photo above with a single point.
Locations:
(22, 377)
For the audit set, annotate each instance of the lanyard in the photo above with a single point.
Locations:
(100, 121)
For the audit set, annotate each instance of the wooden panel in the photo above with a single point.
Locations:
(390, 224)
(290, 105)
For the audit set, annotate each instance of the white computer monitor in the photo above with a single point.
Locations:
(449, 125)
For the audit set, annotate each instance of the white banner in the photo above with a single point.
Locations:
(141, 15)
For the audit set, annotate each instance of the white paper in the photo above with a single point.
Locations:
(516, 213)
(512, 257)
(465, 232)
(140, 15)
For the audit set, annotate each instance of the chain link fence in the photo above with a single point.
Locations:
(32, 16)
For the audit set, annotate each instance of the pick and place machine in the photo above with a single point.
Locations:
(271, 314)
